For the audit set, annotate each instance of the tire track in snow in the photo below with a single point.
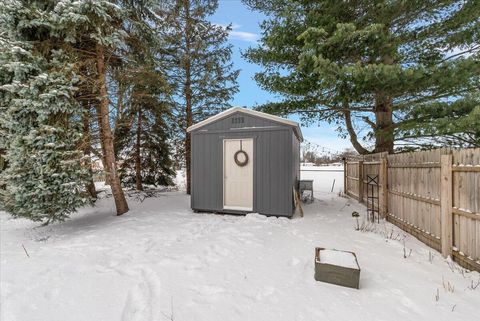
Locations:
(143, 300)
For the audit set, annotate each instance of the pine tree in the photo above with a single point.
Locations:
(145, 156)
(454, 124)
(87, 148)
(93, 31)
(368, 64)
(75, 41)
(44, 180)
(199, 66)
(142, 131)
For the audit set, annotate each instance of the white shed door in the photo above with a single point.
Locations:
(238, 178)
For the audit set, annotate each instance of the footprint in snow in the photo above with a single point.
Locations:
(294, 261)
(264, 293)
(142, 301)
(208, 290)
(219, 250)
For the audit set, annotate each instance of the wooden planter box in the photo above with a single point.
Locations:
(337, 274)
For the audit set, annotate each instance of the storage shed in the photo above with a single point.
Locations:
(245, 161)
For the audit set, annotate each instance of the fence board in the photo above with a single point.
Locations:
(413, 187)
(466, 203)
(412, 198)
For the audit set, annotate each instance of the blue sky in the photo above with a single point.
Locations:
(246, 31)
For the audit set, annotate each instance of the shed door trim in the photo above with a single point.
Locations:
(240, 185)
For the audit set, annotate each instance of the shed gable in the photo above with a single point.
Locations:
(239, 120)
(237, 117)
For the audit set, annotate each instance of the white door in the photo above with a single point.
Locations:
(238, 174)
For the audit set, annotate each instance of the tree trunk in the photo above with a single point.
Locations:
(384, 139)
(138, 165)
(188, 152)
(106, 134)
(102, 147)
(87, 149)
(188, 94)
(351, 132)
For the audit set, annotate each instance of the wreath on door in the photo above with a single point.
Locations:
(237, 159)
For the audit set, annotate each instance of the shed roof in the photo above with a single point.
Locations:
(233, 110)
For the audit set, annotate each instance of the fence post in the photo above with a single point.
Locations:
(360, 181)
(345, 175)
(383, 192)
(446, 205)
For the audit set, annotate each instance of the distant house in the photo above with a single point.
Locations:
(245, 161)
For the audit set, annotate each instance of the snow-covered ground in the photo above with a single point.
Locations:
(160, 261)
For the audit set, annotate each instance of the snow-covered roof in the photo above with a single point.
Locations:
(233, 110)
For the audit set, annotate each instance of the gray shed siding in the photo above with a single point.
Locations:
(275, 164)
(296, 161)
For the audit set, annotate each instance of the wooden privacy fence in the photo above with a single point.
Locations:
(433, 195)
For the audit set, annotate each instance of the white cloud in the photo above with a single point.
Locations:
(240, 35)
(463, 52)
(243, 35)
